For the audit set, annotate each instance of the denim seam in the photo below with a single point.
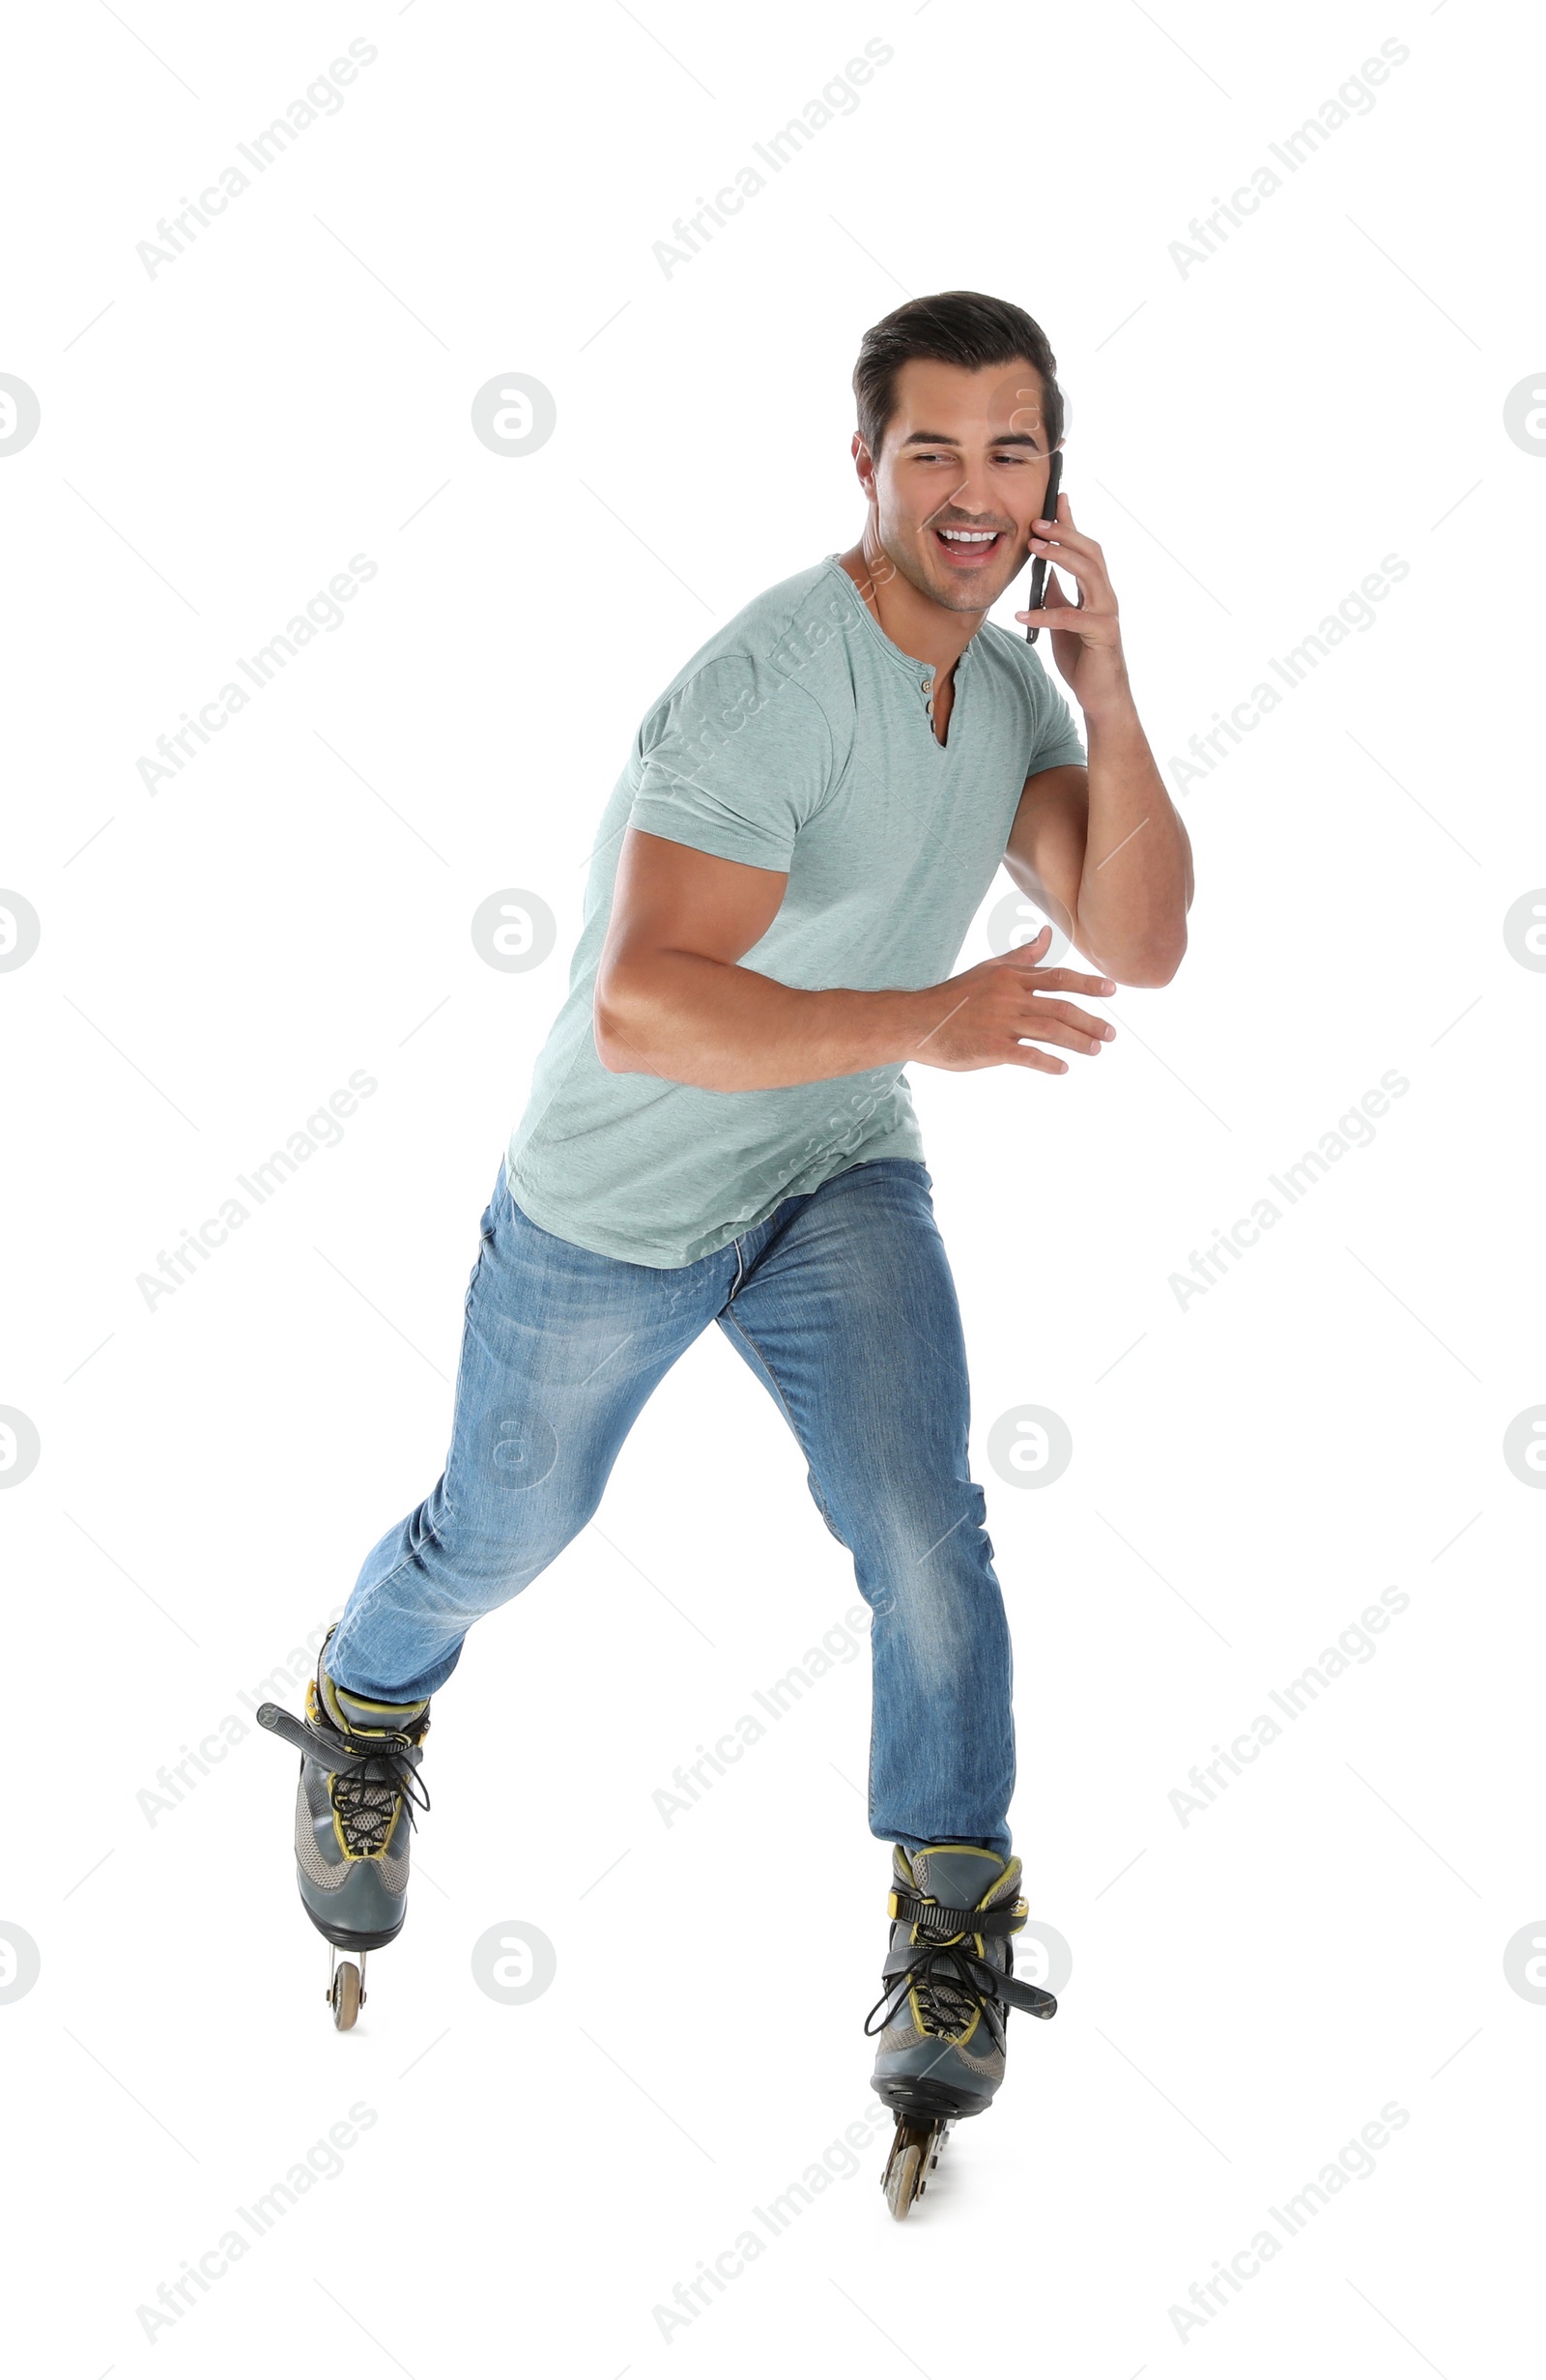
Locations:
(732, 1323)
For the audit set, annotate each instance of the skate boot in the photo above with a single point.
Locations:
(353, 1812)
(949, 1988)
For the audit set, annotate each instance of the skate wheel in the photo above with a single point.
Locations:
(345, 1996)
(901, 2179)
(914, 2157)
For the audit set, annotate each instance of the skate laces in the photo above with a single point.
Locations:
(367, 1795)
(953, 1986)
(953, 1983)
(369, 1777)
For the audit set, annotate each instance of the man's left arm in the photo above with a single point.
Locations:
(1101, 847)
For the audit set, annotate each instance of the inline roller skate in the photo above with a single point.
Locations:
(942, 2013)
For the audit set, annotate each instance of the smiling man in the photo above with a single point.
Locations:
(719, 1130)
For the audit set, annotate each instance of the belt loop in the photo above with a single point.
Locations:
(740, 1267)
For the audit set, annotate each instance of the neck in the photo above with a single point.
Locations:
(930, 632)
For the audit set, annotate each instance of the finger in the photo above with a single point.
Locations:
(1103, 623)
(1086, 610)
(1062, 1039)
(1019, 1053)
(1080, 556)
(1085, 590)
(1086, 570)
(1063, 1011)
(1054, 977)
(1069, 979)
(1063, 529)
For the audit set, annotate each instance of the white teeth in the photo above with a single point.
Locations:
(970, 537)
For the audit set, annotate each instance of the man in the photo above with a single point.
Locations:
(720, 1129)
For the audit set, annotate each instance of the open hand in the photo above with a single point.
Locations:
(985, 1016)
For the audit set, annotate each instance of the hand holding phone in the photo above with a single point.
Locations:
(1054, 480)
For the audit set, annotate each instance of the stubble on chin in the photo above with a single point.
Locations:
(929, 579)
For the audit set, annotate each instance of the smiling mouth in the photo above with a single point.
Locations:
(968, 548)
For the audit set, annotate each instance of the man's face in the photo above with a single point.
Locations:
(964, 450)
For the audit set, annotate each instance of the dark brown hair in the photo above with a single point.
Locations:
(959, 325)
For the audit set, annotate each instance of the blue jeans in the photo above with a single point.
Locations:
(841, 1302)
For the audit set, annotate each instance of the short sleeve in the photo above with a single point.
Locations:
(733, 763)
(1055, 741)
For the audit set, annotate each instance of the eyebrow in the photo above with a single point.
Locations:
(946, 438)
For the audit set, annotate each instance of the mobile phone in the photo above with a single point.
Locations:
(1039, 568)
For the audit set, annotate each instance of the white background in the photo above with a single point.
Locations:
(1250, 439)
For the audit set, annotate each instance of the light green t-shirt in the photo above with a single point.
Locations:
(798, 737)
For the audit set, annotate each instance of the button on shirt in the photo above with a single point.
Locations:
(798, 738)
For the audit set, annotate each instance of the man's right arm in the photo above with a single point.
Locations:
(672, 1001)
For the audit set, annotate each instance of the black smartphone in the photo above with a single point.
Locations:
(1039, 568)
